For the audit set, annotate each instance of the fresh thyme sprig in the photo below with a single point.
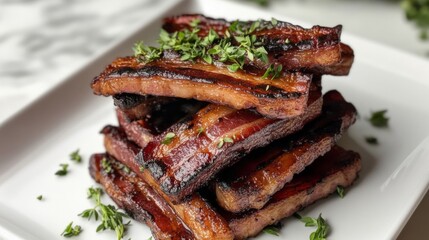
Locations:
(63, 171)
(273, 71)
(371, 140)
(234, 48)
(71, 231)
(378, 119)
(341, 191)
(321, 224)
(105, 164)
(417, 11)
(111, 218)
(272, 230)
(75, 156)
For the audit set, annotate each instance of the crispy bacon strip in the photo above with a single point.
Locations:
(255, 178)
(216, 137)
(195, 212)
(283, 98)
(316, 50)
(336, 168)
(138, 199)
(144, 117)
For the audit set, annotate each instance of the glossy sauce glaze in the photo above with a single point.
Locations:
(256, 177)
(192, 158)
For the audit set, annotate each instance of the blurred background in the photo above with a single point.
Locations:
(44, 41)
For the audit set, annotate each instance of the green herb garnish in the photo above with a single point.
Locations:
(340, 191)
(126, 169)
(371, 140)
(322, 226)
(71, 231)
(141, 168)
(417, 11)
(224, 140)
(233, 48)
(111, 218)
(378, 119)
(105, 164)
(63, 171)
(272, 230)
(75, 156)
(273, 71)
(40, 197)
(200, 130)
(168, 138)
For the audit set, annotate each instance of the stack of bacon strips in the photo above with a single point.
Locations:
(216, 154)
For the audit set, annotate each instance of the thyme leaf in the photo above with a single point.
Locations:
(75, 156)
(168, 138)
(111, 218)
(63, 171)
(378, 119)
(71, 231)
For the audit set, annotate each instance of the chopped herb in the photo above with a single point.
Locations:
(94, 192)
(417, 12)
(150, 238)
(141, 168)
(272, 230)
(63, 171)
(105, 164)
(340, 191)
(378, 119)
(274, 21)
(40, 197)
(262, 3)
(145, 53)
(322, 226)
(371, 140)
(111, 218)
(273, 71)
(74, 156)
(233, 50)
(71, 231)
(200, 130)
(126, 169)
(168, 138)
(224, 140)
(195, 22)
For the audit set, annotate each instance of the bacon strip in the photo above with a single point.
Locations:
(138, 199)
(144, 117)
(255, 178)
(203, 146)
(336, 168)
(195, 212)
(282, 98)
(316, 50)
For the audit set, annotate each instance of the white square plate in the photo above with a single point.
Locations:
(394, 177)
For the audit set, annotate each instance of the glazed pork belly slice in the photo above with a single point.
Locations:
(316, 50)
(251, 182)
(338, 167)
(283, 98)
(143, 117)
(138, 199)
(188, 154)
(194, 211)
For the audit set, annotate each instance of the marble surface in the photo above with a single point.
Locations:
(44, 41)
